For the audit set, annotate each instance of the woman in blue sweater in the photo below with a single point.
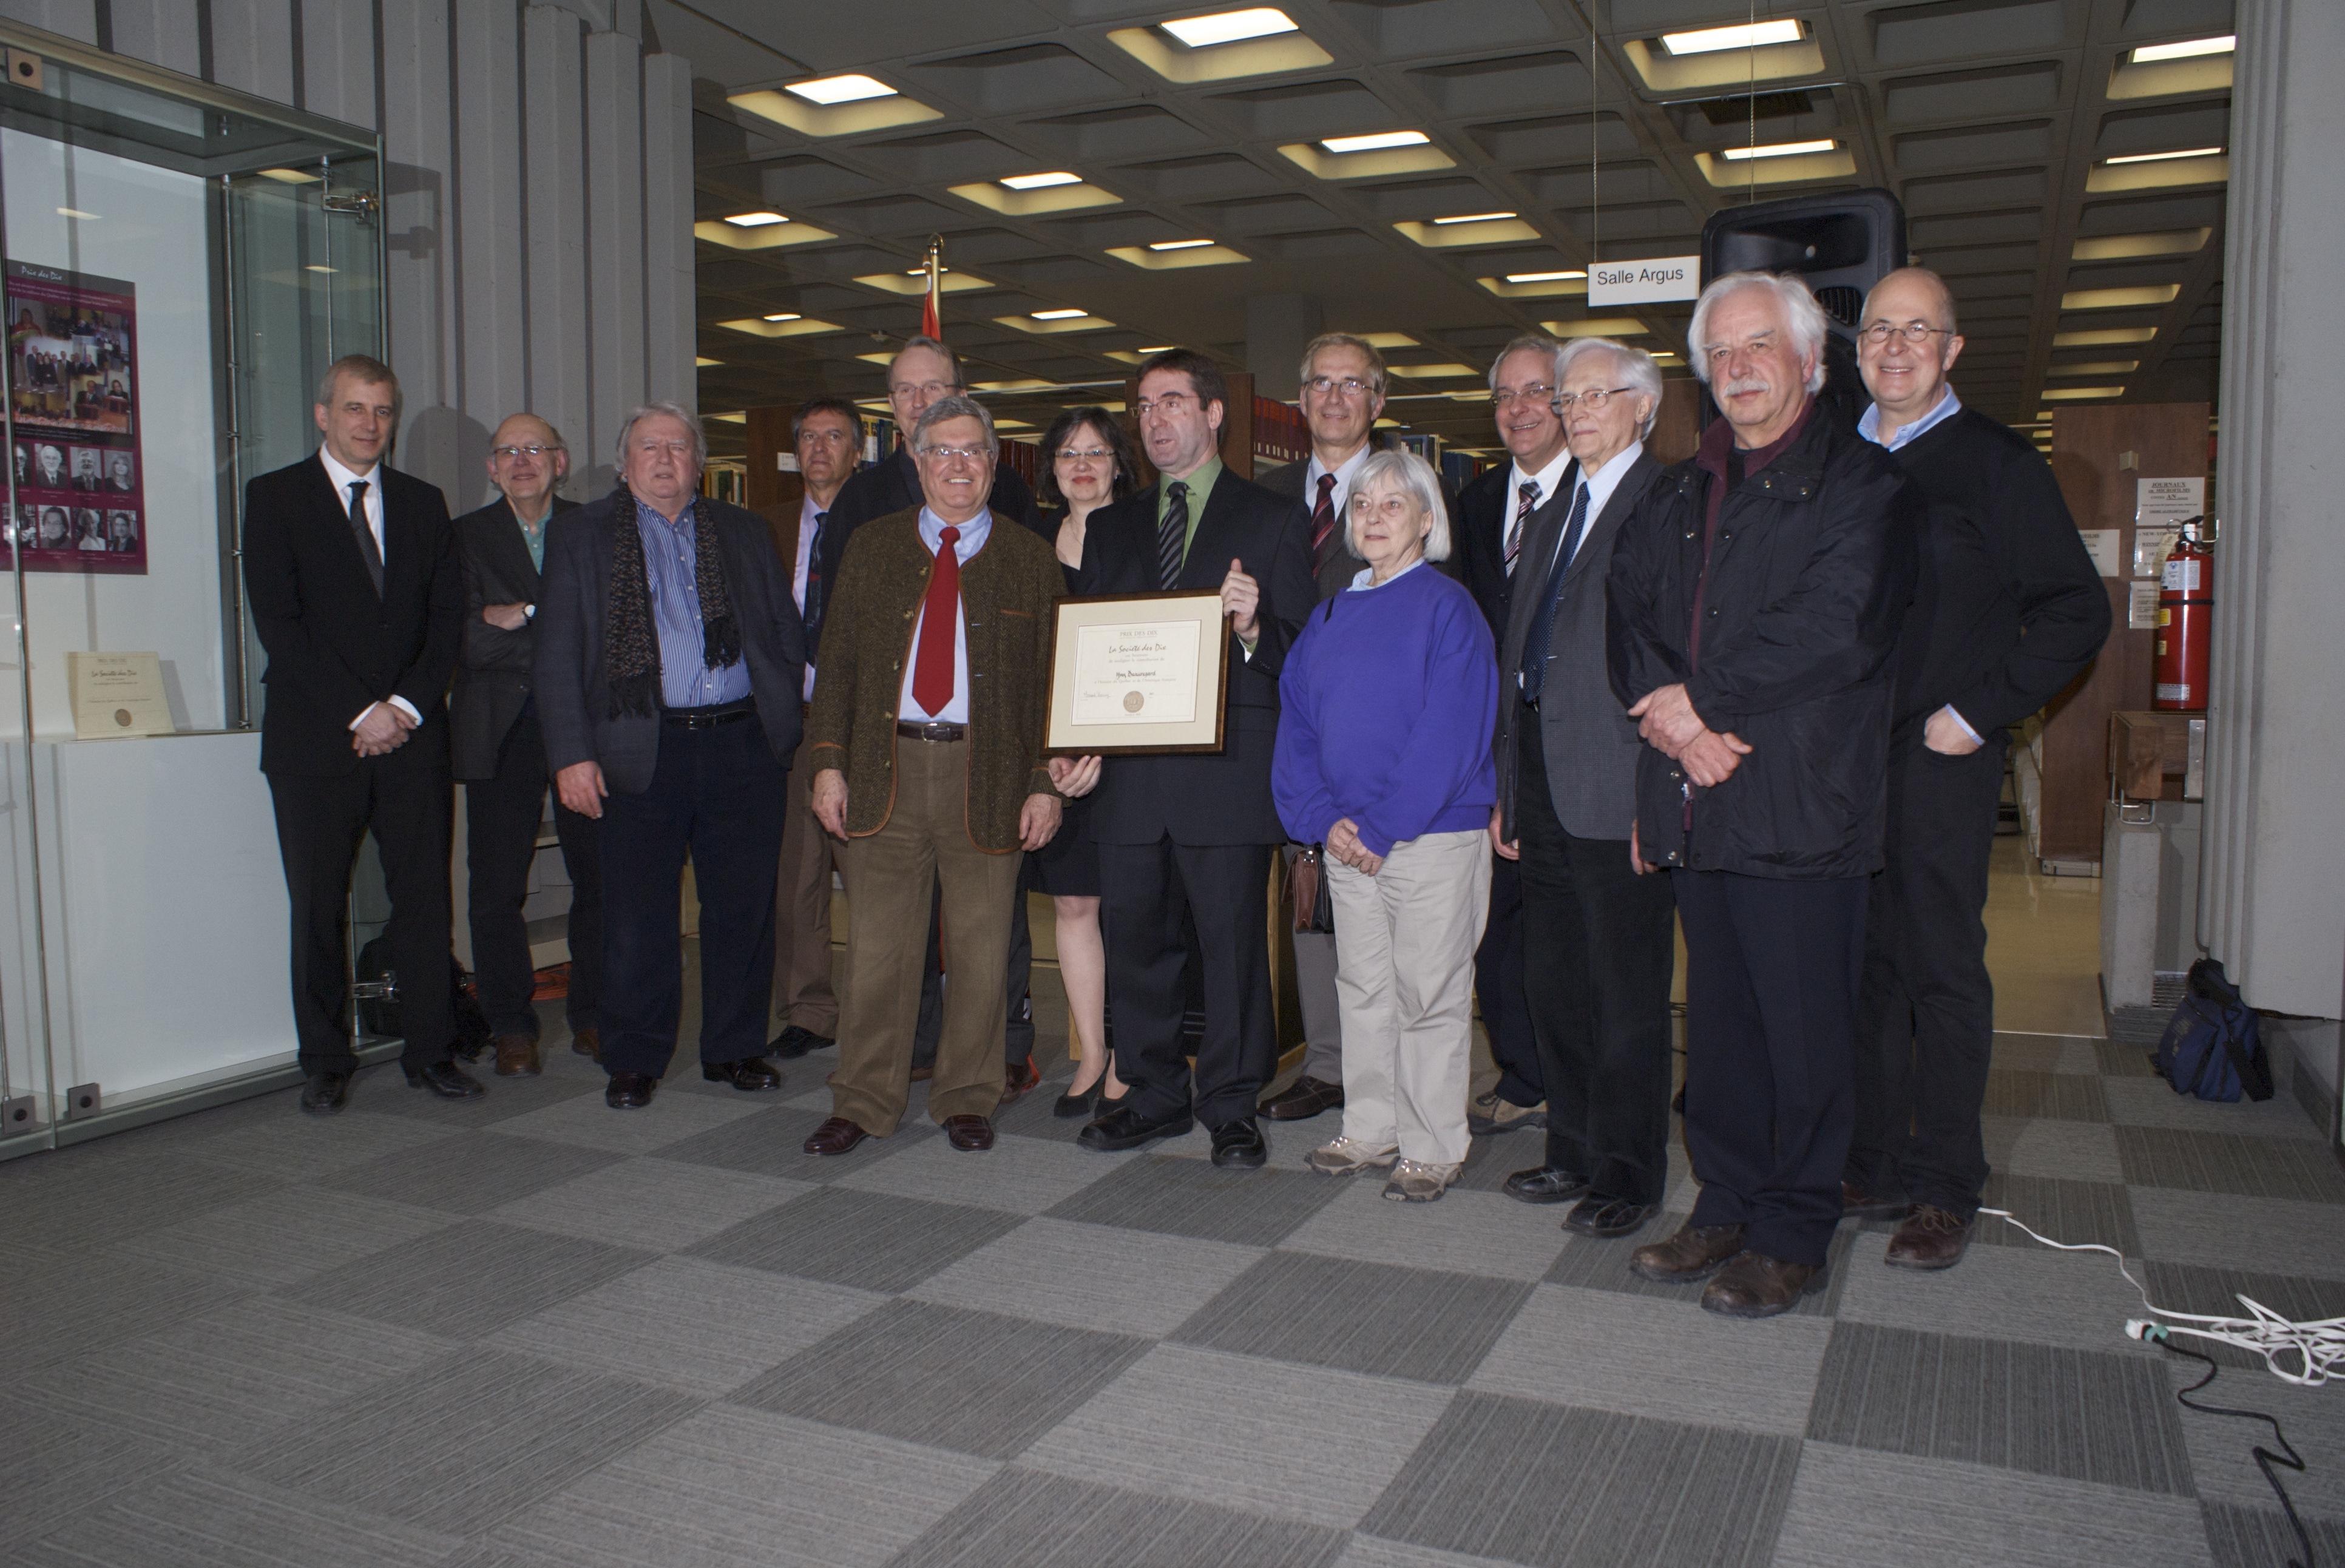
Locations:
(1388, 700)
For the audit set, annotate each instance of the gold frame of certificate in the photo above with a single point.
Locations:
(1138, 673)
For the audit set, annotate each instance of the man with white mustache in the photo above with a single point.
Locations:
(1755, 603)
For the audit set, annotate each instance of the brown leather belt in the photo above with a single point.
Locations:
(709, 718)
(932, 731)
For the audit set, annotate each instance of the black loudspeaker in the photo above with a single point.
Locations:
(1839, 244)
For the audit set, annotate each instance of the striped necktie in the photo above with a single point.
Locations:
(1522, 509)
(1172, 536)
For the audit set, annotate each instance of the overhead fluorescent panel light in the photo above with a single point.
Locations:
(1222, 46)
(701, 361)
(1168, 255)
(1388, 339)
(1784, 163)
(2163, 157)
(1597, 327)
(1740, 65)
(2098, 368)
(2102, 337)
(755, 220)
(1040, 181)
(2080, 394)
(2167, 70)
(1555, 283)
(1474, 217)
(1476, 228)
(916, 281)
(1416, 156)
(766, 231)
(2187, 49)
(834, 105)
(2133, 298)
(1231, 26)
(1778, 149)
(1162, 245)
(780, 327)
(1374, 141)
(2134, 247)
(850, 88)
(1045, 322)
(1067, 314)
(2152, 171)
(1035, 195)
(1742, 35)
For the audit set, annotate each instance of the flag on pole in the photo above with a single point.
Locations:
(931, 316)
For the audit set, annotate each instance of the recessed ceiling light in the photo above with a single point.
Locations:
(2098, 368)
(1230, 27)
(1040, 181)
(317, 267)
(2188, 49)
(755, 220)
(1778, 149)
(1473, 218)
(2078, 394)
(2162, 158)
(1374, 141)
(2102, 337)
(923, 272)
(785, 316)
(851, 88)
(1178, 244)
(1750, 36)
(2141, 296)
(76, 212)
(1064, 313)
(1159, 349)
(1570, 272)
(703, 361)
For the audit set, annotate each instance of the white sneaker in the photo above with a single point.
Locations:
(1348, 1157)
(1415, 1181)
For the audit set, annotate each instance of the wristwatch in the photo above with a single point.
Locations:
(529, 611)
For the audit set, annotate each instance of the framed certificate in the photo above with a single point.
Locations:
(1138, 672)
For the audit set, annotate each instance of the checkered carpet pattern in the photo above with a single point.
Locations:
(530, 1331)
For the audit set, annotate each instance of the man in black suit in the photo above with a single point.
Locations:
(498, 749)
(670, 661)
(350, 570)
(1190, 836)
(1567, 756)
(924, 370)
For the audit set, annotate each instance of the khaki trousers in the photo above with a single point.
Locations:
(802, 992)
(1405, 941)
(890, 877)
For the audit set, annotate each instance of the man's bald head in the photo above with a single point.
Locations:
(1908, 287)
(1906, 345)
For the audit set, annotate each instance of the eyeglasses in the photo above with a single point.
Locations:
(1082, 454)
(1593, 401)
(1171, 405)
(1914, 332)
(1350, 386)
(1537, 392)
(929, 389)
(1391, 508)
(955, 454)
(507, 454)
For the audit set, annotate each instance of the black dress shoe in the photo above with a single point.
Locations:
(1606, 1216)
(326, 1092)
(1078, 1102)
(630, 1091)
(1124, 1127)
(1238, 1145)
(1303, 1098)
(795, 1042)
(445, 1079)
(747, 1074)
(1544, 1184)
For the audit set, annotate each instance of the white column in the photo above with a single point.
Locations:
(491, 295)
(614, 246)
(419, 152)
(668, 272)
(2273, 860)
(561, 327)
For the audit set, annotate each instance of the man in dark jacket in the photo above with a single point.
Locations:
(499, 751)
(2010, 610)
(1755, 603)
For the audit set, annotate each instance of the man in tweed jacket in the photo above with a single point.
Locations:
(927, 745)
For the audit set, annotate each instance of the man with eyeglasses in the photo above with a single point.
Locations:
(498, 748)
(2011, 610)
(1567, 754)
(924, 370)
(1754, 605)
(930, 772)
(670, 667)
(1189, 836)
(1343, 391)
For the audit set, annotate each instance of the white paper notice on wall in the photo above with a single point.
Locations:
(2141, 607)
(2105, 545)
(2168, 503)
(1642, 282)
(2152, 543)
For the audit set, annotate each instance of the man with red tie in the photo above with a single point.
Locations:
(927, 742)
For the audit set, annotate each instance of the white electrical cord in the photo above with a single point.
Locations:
(2317, 1348)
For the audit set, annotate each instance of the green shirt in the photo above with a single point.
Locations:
(534, 533)
(1201, 487)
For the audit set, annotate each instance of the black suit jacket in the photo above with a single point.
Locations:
(334, 645)
(1478, 534)
(1221, 798)
(492, 671)
(573, 697)
(893, 485)
(1294, 480)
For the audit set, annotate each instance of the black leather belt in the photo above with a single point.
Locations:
(709, 718)
(932, 731)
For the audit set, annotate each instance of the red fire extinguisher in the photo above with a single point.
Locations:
(2185, 620)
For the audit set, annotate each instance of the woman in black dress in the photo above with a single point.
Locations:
(1087, 463)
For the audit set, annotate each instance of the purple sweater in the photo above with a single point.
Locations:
(1387, 703)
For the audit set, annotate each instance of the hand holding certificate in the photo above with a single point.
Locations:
(1138, 672)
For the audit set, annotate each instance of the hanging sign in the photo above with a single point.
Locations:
(1656, 278)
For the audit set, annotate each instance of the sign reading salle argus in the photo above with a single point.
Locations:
(1642, 282)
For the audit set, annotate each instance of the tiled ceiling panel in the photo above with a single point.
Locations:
(1555, 79)
(1020, 81)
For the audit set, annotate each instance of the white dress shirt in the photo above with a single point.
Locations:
(1341, 497)
(973, 535)
(343, 478)
(1547, 478)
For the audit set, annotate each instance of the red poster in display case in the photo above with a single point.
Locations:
(73, 390)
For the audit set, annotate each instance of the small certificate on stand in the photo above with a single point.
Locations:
(1138, 672)
(118, 694)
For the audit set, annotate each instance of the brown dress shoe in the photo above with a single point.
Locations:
(1017, 1083)
(1753, 1285)
(968, 1134)
(588, 1042)
(1691, 1254)
(517, 1057)
(1931, 1238)
(1303, 1098)
(835, 1136)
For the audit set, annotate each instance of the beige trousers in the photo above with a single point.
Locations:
(802, 991)
(890, 877)
(1405, 941)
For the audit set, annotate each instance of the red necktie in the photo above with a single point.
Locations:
(1323, 516)
(932, 667)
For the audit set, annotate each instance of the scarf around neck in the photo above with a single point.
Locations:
(631, 661)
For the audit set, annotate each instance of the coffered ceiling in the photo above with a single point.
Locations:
(1563, 130)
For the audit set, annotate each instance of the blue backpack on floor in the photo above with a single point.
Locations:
(2214, 1049)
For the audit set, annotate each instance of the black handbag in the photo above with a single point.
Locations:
(1306, 889)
